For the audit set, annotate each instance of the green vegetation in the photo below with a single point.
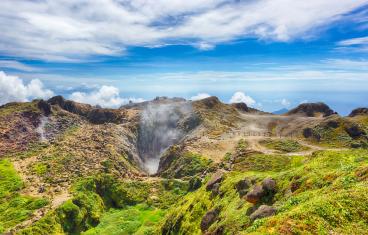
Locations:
(242, 145)
(18, 107)
(14, 208)
(337, 134)
(328, 136)
(186, 165)
(100, 203)
(266, 162)
(138, 219)
(286, 146)
(319, 194)
(40, 168)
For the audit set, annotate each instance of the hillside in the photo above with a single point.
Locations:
(172, 166)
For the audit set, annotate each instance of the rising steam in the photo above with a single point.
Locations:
(159, 129)
(41, 128)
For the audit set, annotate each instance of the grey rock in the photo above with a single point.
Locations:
(209, 218)
(216, 178)
(269, 185)
(262, 212)
(255, 195)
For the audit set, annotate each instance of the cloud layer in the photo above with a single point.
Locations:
(73, 30)
(13, 89)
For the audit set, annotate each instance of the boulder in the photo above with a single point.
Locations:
(255, 195)
(209, 218)
(215, 190)
(216, 178)
(269, 185)
(242, 187)
(262, 212)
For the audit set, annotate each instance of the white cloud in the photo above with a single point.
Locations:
(74, 30)
(13, 89)
(239, 97)
(204, 46)
(200, 96)
(285, 102)
(106, 96)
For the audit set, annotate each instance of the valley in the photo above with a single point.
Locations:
(175, 166)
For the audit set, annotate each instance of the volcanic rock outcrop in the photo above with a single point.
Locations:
(359, 111)
(312, 110)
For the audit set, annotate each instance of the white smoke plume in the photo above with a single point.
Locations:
(159, 130)
(41, 128)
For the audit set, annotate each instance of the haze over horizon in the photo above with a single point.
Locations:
(268, 54)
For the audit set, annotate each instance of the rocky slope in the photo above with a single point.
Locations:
(171, 166)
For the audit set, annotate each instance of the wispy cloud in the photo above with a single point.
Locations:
(347, 64)
(353, 45)
(13, 64)
(75, 30)
(354, 41)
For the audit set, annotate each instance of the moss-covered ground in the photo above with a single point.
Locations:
(104, 203)
(139, 219)
(325, 193)
(285, 146)
(14, 207)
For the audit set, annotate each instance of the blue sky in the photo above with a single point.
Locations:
(270, 54)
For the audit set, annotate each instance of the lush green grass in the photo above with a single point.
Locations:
(266, 162)
(14, 208)
(99, 202)
(138, 219)
(338, 137)
(9, 179)
(187, 165)
(286, 146)
(330, 197)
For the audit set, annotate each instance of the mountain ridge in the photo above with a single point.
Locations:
(69, 154)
